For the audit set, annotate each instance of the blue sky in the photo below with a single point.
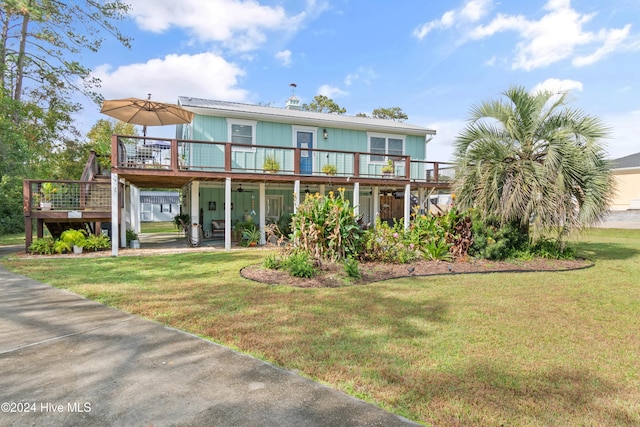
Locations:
(434, 59)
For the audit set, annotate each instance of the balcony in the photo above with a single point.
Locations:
(172, 163)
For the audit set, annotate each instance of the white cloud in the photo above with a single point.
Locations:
(557, 86)
(625, 128)
(331, 91)
(471, 11)
(284, 57)
(238, 24)
(557, 35)
(364, 74)
(208, 76)
(441, 148)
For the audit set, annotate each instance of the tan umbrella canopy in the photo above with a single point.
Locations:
(146, 112)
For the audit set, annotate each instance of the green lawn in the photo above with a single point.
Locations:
(528, 349)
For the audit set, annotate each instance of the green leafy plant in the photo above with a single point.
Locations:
(351, 268)
(437, 250)
(251, 236)
(271, 164)
(74, 237)
(181, 219)
(60, 247)
(131, 235)
(97, 243)
(43, 246)
(272, 262)
(329, 169)
(325, 226)
(299, 264)
(389, 167)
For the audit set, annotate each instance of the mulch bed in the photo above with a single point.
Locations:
(333, 275)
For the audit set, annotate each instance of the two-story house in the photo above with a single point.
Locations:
(240, 162)
(224, 162)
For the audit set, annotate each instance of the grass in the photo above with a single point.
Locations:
(12, 239)
(529, 349)
(158, 227)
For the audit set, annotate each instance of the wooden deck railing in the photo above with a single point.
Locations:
(131, 152)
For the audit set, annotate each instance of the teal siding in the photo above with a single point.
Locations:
(211, 157)
(277, 134)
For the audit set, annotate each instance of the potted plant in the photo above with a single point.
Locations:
(74, 238)
(329, 169)
(251, 236)
(388, 169)
(48, 190)
(132, 239)
(271, 164)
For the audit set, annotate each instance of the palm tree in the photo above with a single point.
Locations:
(533, 162)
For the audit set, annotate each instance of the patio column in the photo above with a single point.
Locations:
(322, 189)
(115, 240)
(407, 206)
(356, 199)
(376, 205)
(134, 203)
(296, 192)
(227, 214)
(262, 206)
(194, 209)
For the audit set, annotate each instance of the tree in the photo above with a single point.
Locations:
(323, 104)
(393, 113)
(40, 38)
(534, 162)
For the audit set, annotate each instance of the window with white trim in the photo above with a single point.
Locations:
(273, 209)
(385, 146)
(242, 132)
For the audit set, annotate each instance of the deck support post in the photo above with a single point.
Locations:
(407, 206)
(296, 195)
(376, 205)
(115, 205)
(262, 206)
(356, 199)
(227, 214)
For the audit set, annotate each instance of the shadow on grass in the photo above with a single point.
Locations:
(484, 394)
(606, 251)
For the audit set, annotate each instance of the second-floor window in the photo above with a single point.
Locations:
(383, 146)
(242, 132)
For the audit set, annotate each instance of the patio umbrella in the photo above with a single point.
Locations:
(146, 112)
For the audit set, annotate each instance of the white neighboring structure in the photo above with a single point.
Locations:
(159, 206)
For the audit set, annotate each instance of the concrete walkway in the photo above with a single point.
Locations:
(68, 361)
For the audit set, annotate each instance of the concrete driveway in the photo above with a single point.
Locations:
(68, 361)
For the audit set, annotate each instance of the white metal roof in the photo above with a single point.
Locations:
(298, 117)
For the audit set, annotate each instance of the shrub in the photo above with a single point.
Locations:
(552, 249)
(43, 246)
(299, 264)
(326, 227)
(60, 247)
(272, 262)
(97, 243)
(74, 237)
(492, 241)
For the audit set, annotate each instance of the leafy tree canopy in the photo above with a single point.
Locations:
(392, 113)
(323, 104)
(532, 161)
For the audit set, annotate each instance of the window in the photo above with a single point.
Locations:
(273, 208)
(242, 132)
(165, 208)
(385, 146)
